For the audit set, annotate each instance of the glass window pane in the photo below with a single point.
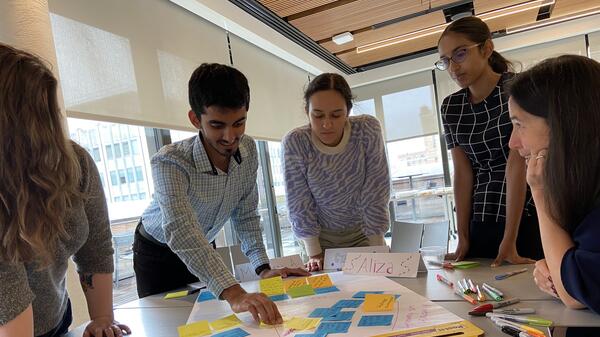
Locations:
(594, 39)
(177, 135)
(117, 148)
(125, 148)
(139, 174)
(130, 175)
(366, 107)
(409, 113)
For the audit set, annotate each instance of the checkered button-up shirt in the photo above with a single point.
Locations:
(193, 201)
(482, 130)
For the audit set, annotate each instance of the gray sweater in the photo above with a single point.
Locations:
(89, 244)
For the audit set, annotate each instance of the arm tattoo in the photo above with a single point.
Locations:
(86, 281)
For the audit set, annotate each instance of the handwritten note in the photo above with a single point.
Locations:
(292, 261)
(335, 257)
(272, 286)
(245, 272)
(379, 302)
(305, 290)
(383, 264)
(299, 323)
(293, 283)
(320, 281)
(195, 329)
(225, 323)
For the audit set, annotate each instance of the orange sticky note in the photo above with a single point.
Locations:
(320, 281)
(293, 283)
(379, 302)
(272, 286)
(195, 329)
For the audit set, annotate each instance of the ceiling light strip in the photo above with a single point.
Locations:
(548, 22)
(440, 28)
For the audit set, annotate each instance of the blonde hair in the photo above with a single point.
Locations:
(39, 171)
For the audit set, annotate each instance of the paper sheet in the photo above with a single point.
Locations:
(410, 309)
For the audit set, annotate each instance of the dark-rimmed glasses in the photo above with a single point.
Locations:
(458, 56)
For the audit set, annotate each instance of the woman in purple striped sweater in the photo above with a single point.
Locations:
(336, 173)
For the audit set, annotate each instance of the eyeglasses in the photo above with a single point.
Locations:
(458, 56)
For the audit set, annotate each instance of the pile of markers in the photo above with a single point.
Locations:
(510, 321)
(516, 325)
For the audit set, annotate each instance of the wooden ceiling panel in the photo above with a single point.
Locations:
(482, 6)
(566, 7)
(406, 26)
(355, 59)
(285, 8)
(356, 15)
(517, 19)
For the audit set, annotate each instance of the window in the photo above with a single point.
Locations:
(135, 147)
(122, 179)
(139, 175)
(177, 135)
(130, 175)
(96, 154)
(117, 148)
(125, 148)
(113, 178)
(109, 153)
(366, 107)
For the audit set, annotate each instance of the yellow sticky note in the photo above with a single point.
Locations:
(320, 281)
(195, 329)
(272, 286)
(378, 302)
(293, 283)
(264, 325)
(299, 323)
(305, 290)
(178, 294)
(225, 323)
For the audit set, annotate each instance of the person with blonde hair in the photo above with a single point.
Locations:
(52, 207)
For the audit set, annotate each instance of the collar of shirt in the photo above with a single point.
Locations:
(205, 165)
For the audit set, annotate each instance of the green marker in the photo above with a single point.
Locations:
(492, 294)
(522, 319)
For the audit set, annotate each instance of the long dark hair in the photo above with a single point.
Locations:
(566, 92)
(329, 81)
(478, 31)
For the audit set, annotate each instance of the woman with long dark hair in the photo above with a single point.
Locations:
(555, 110)
(52, 207)
(495, 215)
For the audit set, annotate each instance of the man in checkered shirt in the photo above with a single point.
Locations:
(200, 184)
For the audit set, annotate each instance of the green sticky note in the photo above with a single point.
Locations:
(465, 264)
(196, 329)
(305, 290)
(178, 294)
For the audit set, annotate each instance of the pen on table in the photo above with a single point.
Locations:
(444, 280)
(509, 330)
(515, 311)
(465, 286)
(525, 328)
(488, 307)
(195, 290)
(465, 297)
(509, 274)
(492, 294)
(472, 286)
(480, 295)
(522, 319)
(496, 290)
(501, 324)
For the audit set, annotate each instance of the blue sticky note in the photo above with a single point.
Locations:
(361, 294)
(333, 327)
(396, 296)
(376, 320)
(316, 334)
(324, 312)
(237, 332)
(341, 316)
(281, 297)
(205, 296)
(326, 290)
(348, 304)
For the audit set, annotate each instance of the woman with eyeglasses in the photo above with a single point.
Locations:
(495, 213)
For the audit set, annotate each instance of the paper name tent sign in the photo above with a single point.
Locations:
(334, 258)
(383, 264)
